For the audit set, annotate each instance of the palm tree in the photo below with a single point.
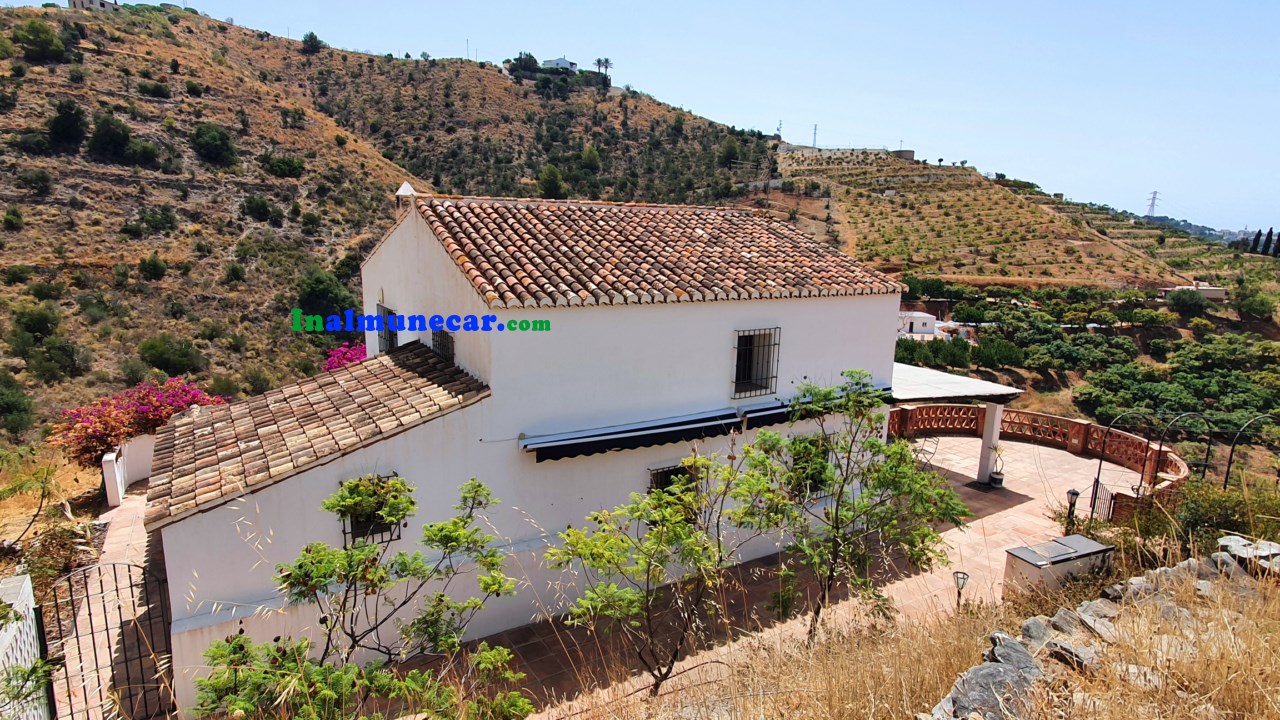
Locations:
(599, 64)
(606, 64)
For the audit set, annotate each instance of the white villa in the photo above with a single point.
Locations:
(560, 63)
(912, 323)
(668, 325)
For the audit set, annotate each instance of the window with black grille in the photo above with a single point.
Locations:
(756, 362)
(442, 343)
(387, 333)
(370, 528)
(663, 478)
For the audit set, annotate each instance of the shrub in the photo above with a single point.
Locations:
(1255, 306)
(194, 89)
(15, 274)
(110, 139)
(88, 432)
(340, 139)
(310, 223)
(152, 267)
(261, 209)
(57, 358)
(46, 291)
(551, 183)
(284, 166)
(32, 142)
(1186, 302)
(223, 386)
(39, 42)
(213, 144)
(16, 407)
(38, 182)
(154, 89)
(320, 293)
(76, 75)
(68, 126)
(234, 274)
(257, 380)
(6, 47)
(312, 44)
(13, 219)
(174, 356)
(8, 98)
(1200, 326)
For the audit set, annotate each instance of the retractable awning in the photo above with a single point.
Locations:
(633, 435)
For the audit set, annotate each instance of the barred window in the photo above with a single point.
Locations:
(370, 528)
(387, 332)
(663, 478)
(442, 343)
(756, 362)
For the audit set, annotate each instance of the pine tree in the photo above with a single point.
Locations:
(1257, 240)
(1275, 249)
(1266, 245)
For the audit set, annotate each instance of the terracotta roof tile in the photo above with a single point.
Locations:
(543, 253)
(206, 456)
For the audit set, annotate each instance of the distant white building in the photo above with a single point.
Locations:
(1212, 293)
(560, 63)
(916, 323)
(109, 5)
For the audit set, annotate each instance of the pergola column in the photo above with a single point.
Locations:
(990, 438)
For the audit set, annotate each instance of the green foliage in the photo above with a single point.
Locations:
(39, 42)
(1200, 326)
(1186, 302)
(15, 274)
(1203, 511)
(340, 140)
(6, 47)
(174, 356)
(154, 89)
(996, 353)
(857, 508)
(13, 221)
(37, 182)
(320, 293)
(284, 166)
(386, 499)
(953, 352)
(312, 44)
(46, 290)
(261, 209)
(152, 267)
(551, 183)
(235, 273)
(57, 358)
(213, 144)
(151, 221)
(194, 89)
(68, 126)
(113, 141)
(16, 407)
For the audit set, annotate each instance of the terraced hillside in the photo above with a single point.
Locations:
(907, 215)
(1204, 260)
(170, 178)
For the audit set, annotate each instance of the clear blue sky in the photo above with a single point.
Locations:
(1104, 101)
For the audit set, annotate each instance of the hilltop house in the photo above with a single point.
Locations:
(560, 63)
(667, 324)
(913, 322)
(106, 5)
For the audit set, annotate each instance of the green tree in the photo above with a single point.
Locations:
(68, 126)
(39, 42)
(312, 44)
(213, 144)
(651, 566)
(856, 508)
(37, 182)
(1186, 302)
(320, 293)
(730, 150)
(551, 183)
(16, 407)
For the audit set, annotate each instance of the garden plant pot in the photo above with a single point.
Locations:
(996, 479)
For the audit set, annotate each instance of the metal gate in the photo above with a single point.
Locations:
(1100, 503)
(107, 631)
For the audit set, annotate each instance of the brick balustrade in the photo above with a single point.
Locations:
(1162, 469)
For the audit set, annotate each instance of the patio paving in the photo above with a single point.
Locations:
(1020, 514)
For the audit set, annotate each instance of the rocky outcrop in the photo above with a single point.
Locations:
(1076, 640)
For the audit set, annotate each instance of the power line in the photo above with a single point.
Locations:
(1151, 206)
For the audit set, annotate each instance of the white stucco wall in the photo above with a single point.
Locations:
(597, 366)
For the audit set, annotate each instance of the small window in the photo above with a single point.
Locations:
(387, 336)
(442, 343)
(371, 528)
(663, 478)
(756, 362)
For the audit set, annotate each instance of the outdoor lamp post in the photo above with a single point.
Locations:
(1072, 496)
(961, 577)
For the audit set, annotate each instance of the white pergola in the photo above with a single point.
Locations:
(914, 385)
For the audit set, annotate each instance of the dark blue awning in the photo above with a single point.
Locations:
(633, 435)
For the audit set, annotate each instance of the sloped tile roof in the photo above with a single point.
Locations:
(542, 253)
(207, 456)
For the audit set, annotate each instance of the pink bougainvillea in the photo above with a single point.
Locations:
(344, 355)
(89, 432)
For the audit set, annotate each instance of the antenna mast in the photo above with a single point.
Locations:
(1151, 206)
(815, 136)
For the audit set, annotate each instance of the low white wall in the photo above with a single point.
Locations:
(20, 645)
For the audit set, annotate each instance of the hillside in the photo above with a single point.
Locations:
(321, 138)
(901, 214)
